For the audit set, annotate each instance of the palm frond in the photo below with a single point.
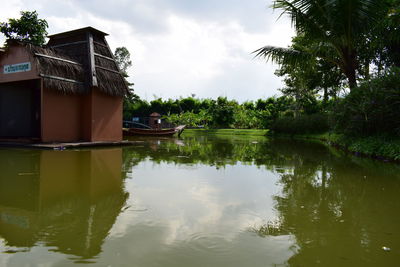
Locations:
(306, 17)
(281, 55)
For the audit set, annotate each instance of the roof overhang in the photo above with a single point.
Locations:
(77, 31)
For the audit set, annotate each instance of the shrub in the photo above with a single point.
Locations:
(189, 119)
(305, 124)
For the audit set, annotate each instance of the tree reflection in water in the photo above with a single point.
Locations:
(341, 209)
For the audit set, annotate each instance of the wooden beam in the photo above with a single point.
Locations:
(105, 57)
(100, 44)
(91, 53)
(67, 44)
(102, 68)
(59, 59)
(59, 78)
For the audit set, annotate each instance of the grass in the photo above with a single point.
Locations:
(247, 132)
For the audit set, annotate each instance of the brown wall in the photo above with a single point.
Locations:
(94, 117)
(86, 117)
(61, 117)
(15, 55)
(106, 117)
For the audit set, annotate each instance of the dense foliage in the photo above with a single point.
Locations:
(372, 108)
(305, 124)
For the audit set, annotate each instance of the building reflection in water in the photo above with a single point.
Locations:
(67, 200)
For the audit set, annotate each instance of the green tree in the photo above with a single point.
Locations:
(306, 82)
(334, 29)
(385, 48)
(123, 58)
(28, 28)
(222, 112)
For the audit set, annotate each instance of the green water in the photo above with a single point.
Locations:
(198, 201)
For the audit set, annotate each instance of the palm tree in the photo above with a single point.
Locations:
(335, 29)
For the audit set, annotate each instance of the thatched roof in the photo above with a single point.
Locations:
(77, 61)
(60, 72)
(89, 47)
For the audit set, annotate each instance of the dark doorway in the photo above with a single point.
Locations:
(20, 109)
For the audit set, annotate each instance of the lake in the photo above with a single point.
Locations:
(199, 201)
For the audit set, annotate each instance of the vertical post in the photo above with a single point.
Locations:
(92, 62)
(93, 83)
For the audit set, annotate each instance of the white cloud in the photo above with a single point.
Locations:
(9, 9)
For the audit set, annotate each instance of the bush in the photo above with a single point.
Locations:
(189, 119)
(251, 119)
(372, 108)
(305, 124)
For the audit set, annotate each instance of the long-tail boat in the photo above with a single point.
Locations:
(130, 131)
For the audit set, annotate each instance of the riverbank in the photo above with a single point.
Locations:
(378, 147)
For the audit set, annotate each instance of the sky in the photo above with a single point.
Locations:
(179, 48)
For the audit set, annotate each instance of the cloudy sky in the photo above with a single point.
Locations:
(179, 47)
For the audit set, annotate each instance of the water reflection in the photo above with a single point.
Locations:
(200, 201)
(68, 200)
(341, 209)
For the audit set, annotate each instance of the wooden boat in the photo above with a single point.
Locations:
(154, 132)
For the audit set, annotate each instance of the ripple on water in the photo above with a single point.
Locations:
(207, 243)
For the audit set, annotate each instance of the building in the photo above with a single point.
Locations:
(155, 120)
(71, 90)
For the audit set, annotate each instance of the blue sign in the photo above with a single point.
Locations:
(21, 67)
